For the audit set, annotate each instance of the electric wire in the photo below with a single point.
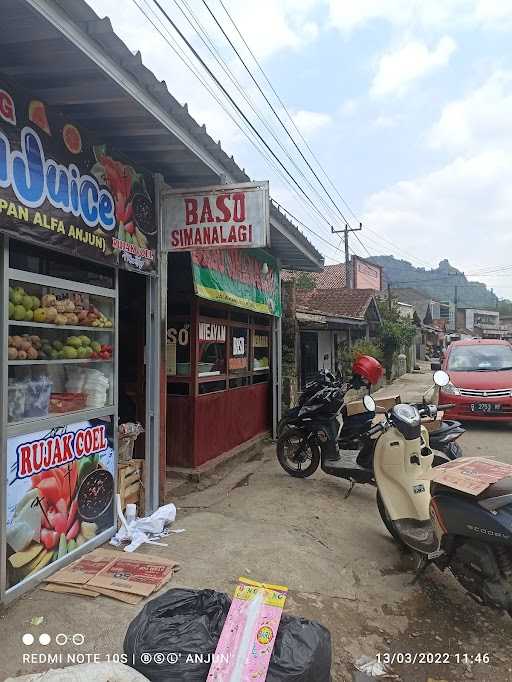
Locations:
(178, 53)
(297, 129)
(212, 14)
(235, 105)
(201, 32)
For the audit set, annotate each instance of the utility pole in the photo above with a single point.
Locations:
(389, 296)
(345, 231)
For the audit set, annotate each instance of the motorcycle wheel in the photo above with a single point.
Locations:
(388, 522)
(296, 459)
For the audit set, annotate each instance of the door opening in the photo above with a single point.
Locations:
(132, 343)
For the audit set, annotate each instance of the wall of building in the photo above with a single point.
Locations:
(325, 349)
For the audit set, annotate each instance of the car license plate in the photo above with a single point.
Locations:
(485, 407)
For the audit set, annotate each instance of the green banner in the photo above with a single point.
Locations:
(246, 279)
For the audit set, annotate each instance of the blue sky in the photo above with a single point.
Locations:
(407, 104)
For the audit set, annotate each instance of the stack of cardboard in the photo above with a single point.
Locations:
(125, 577)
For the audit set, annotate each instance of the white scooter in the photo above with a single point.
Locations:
(471, 535)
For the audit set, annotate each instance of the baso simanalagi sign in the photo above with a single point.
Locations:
(225, 216)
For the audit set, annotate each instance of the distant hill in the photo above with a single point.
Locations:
(439, 283)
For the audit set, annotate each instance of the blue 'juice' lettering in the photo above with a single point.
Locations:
(35, 179)
(89, 201)
(27, 170)
(4, 155)
(73, 191)
(57, 185)
(106, 210)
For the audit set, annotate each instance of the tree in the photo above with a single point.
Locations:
(305, 281)
(395, 334)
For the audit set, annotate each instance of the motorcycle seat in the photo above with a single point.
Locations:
(501, 487)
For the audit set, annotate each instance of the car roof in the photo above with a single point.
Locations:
(480, 342)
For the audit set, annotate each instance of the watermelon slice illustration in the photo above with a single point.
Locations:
(72, 138)
(37, 114)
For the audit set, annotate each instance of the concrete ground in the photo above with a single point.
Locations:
(342, 568)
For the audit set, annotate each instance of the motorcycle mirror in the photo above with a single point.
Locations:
(441, 378)
(369, 403)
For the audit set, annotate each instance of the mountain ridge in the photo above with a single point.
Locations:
(444, 283)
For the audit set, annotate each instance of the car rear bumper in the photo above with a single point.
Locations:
(463, 411)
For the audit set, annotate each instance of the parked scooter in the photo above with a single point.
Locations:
(471, 535)
(316, 433)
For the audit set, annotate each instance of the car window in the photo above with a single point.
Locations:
(480, 358)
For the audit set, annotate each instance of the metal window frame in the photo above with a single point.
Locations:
(31, 426)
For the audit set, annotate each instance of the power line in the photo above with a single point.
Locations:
(212, 14)
(297, 129)
(210, 45)
(233, 103)
(178, 53)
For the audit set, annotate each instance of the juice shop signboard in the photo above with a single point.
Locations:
(60, 489)
(59, 188)
(225, 216)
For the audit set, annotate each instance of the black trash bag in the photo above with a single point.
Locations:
(184, 627)
(181, 624)
(302, 652)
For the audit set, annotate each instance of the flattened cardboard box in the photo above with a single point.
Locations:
(471, 475)
(141, 574)
(82, 570)
(386, 402)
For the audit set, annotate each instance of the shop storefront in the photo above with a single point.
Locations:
(78, 250)
(98, 324)
(222, 309)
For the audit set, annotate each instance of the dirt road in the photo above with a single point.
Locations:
(341, 566)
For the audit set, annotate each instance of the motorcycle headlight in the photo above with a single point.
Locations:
(450, 389)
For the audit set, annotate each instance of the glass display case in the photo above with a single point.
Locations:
(59, 382)
(60, 348)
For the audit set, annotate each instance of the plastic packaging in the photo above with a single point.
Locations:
(188, 623)
(249, 633)
(131, 512)
(37, 397)
(16, 401)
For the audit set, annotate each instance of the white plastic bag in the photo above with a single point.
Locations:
(87, 672)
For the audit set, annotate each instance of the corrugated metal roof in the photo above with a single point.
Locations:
(65, 54)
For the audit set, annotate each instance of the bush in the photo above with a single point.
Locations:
(360, 347)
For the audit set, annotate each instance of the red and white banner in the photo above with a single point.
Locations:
(224, 216)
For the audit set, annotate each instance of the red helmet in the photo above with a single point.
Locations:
(369, 368)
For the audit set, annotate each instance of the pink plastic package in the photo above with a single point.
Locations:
(248, 636)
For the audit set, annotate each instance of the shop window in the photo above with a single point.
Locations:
(239, 350)
(178, 348)
(239, 381)
(239, 316)
(178, 388)
(212, 348)
(30, 258)
(60, 350)
(207, 311)
(261, 356)
(211, 387)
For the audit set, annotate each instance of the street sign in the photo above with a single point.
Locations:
(220, 217)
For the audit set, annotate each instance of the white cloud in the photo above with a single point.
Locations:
(273, 25)
(349, 107)
(384, 121)
(427, 14)
(413, 60)
(480, 119)
(461, 211)
(309, 122)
